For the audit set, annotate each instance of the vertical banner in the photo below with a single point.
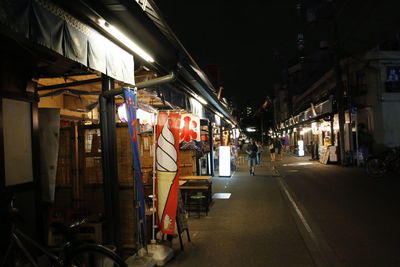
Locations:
(190, 128)
(189, 136)
(131, 107)
(167, 162)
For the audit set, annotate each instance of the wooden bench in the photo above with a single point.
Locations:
(194, 187)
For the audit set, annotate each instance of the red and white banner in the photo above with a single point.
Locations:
(167, 164)
(190, 128)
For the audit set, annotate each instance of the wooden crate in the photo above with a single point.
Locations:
(90, 160)
(93, 199)
(187, 162)
(93, 172)
(128, 216)
(63, 197)
(146, 150)
(124, 157)
(64, 162)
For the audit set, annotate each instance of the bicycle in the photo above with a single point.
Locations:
(378, 166)
(68, 255)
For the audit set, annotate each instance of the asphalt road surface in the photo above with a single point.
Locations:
(297, 213)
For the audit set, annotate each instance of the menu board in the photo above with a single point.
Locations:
(324, 156)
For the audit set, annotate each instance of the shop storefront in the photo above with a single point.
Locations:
(315, 129)
(69, 149)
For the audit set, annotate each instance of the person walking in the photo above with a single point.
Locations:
(259, 152)
(286, 144)
(252, 156)
(278, 148)
(271, 147)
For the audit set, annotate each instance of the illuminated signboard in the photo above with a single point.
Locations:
(300, 145)
(224, 161)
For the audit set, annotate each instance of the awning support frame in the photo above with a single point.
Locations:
(153, 82)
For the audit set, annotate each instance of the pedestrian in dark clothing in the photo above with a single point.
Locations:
(259, 151)
(252, 156)
(278, 147)
(271, 147)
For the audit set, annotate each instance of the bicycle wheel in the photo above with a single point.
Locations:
(376, 168)
(396, 166)
(90, 255)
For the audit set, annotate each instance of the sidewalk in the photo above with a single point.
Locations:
(254, 227)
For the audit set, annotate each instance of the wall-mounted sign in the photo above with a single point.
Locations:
(392, 79)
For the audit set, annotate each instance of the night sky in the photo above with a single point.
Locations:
(250, 41)
(232, 35)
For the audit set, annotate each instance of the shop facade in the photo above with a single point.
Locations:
(65, 150)
(371, 93)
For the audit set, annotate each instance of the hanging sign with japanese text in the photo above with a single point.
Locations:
(189, 136)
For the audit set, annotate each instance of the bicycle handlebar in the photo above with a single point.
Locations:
(13, 211)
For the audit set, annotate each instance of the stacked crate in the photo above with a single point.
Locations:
(91, 169)
(63, 194)
(124, 157)
(63, 177)
(187, 162)
(92, 155)
(126, 186)
(146, 151)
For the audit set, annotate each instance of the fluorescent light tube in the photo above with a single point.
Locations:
(125, 40)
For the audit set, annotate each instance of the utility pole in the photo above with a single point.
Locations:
(339, 92)
(262, 128)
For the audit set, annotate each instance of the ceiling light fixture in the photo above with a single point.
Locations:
(125, 40)
(201, 100)
(219, 114)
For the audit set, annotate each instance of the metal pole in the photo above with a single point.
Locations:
(339, 94)
(153, 238)
(262, 129)
(157, 81)
(210, 136)
(221, 133)
(332, 130)
(356, 122)
(110, 169)
(350, 109)
(339, 85)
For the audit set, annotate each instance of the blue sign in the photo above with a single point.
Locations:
(131, 107)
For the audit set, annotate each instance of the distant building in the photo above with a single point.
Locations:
(307, 109)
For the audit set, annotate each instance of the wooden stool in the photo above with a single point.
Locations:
(198, 202)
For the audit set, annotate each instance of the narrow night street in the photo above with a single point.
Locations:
(151, 133)
(303, 213)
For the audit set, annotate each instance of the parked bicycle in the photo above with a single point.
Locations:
(24, 251)
(378, 166)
